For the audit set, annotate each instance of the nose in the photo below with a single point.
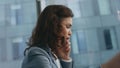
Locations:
(70, 32)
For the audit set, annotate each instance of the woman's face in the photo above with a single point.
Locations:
(66, 28)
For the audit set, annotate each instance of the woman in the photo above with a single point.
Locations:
(49, 45)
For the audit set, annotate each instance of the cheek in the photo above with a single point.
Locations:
(64, 32)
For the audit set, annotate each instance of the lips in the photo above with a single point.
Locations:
(68, 40)
(67, 46)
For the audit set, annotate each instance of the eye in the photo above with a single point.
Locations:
(68, 26)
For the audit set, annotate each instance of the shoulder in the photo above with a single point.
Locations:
(36, 51)
(35, 57)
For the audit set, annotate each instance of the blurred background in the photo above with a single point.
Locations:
(95, 32)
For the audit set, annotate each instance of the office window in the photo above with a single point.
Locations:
(81, 41)
(3, 53)
(118, 14)
(88, 8)
(112, 34)
(84, 67)
(7, 14)
(115, 5)
(13, 14)
(29, 12)
(94, 66)
(104, 7)
(2, 15)
(78, 42)
(107, 37)
(74, 43)
(16, 14)
(18, 46)
(95, 6)
(75, 7)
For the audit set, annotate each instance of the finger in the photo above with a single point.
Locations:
(68, 49)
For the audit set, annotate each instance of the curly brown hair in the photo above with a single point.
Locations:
(48, 27)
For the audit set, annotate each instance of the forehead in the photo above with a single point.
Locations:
(67, 20)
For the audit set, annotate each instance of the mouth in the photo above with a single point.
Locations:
(68, 40)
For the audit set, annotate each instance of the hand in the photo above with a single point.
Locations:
(63, 52)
